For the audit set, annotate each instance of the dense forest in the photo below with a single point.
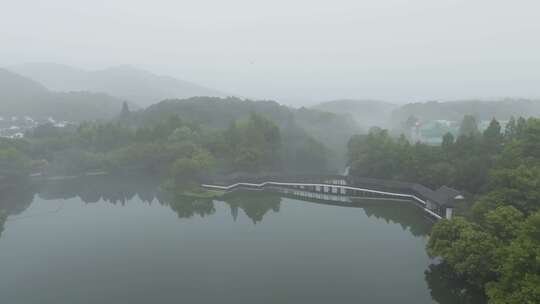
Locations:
(183, 141)
(462, 162)
(494, 245)
(332, 129)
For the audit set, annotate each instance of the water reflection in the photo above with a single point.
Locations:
(400, 213)
(254, 205)
(187, 207)
(444, 288)
(15, 200)
(3, 217)
(265, 202)
(112, 189)
(121, 189)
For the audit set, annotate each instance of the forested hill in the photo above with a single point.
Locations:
(125, 82)
(331, 129)
(183, 141)
(491, 246)
(20, 96)
(455, 110)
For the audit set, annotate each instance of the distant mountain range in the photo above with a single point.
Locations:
(21, 96)
(123, 82)
(366, 113)
(67, 93)
(369, 113)
(455, 110)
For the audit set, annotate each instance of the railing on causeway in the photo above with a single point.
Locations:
(333, 184)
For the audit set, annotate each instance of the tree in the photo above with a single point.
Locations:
(492, 135)
(448, 141)
(516, 187)
(530, 139)
(411, 121)
(377, 155)
(254, 143)
(183, 134)
(504, 222)
(13, 163)
(410, 124)
(468, 126)
(446, 287)
(189, 167)
(510, 129)
(471, 172)
(520, 126)
(519, 267)
(125, 110)
(466, 248)
(311, 156)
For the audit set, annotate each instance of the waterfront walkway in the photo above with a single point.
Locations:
(437, 203)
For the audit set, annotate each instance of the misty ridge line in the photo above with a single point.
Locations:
(66, 78)
(127, 82)
(65, 93)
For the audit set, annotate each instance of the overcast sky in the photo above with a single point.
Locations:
(295, 51)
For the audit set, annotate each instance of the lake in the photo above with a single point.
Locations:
(110, 241)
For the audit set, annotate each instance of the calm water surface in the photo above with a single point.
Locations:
(107, 242)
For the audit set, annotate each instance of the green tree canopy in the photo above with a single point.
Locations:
(468, 126)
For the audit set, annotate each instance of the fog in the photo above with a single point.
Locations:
(279, 151)
(296, 52)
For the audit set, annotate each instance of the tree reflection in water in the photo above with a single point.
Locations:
(112, 189)
(411, 219)
(3, 217)
(400, 212)
(187, 207)
(14, 200)
(445, 288)
(254, 204)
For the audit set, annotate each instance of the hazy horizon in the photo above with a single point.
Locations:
(295, 53)
(285, 151)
